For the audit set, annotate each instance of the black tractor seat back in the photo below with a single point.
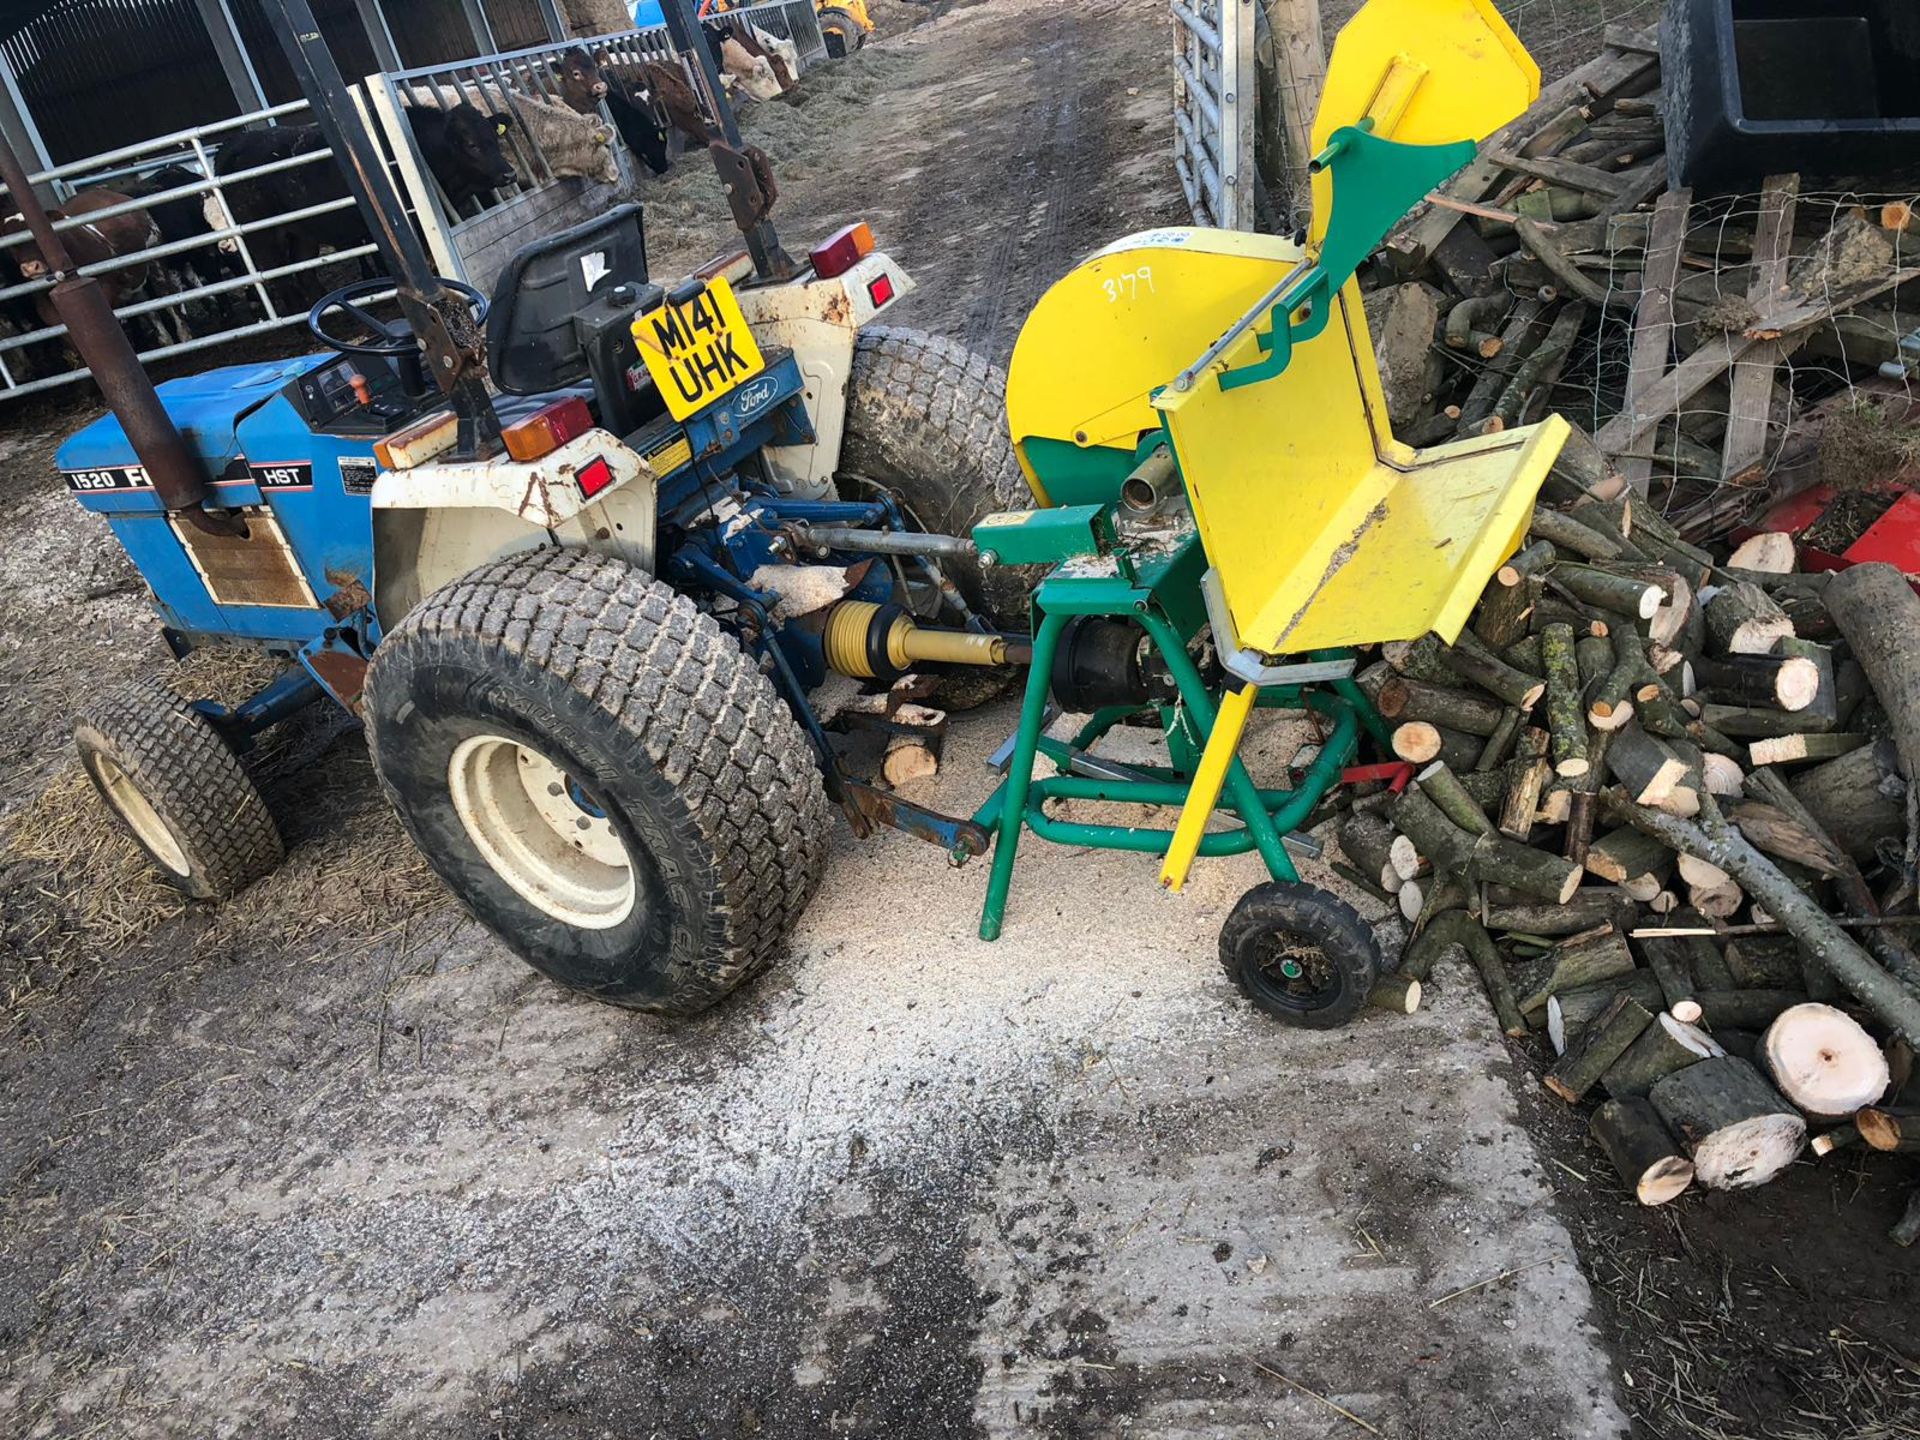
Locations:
(562, 316)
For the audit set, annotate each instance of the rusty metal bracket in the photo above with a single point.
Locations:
(747, 176)
(869, 809)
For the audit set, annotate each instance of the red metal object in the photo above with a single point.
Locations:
(1397, 774)
(1893, 538)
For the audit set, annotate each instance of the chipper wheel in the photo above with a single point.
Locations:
(171, 778)
(1300, 954)
(602, 775)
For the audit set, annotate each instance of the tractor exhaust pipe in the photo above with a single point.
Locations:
(96, 333)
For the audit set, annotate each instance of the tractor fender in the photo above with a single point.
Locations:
(819, 321)
(436, 521)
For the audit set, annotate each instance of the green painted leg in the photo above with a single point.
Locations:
(1013, 810)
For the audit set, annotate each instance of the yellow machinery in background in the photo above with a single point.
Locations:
(1200, 413)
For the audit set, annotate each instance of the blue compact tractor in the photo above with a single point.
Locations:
(578, 553)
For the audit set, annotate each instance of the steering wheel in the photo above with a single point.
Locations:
(394, 337)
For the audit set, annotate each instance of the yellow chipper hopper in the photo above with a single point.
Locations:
(1200, 416)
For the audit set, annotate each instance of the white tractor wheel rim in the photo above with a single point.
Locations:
(145, 822)
(541, 834)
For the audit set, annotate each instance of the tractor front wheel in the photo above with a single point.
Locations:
(1302, 955)
(841, 33)
(602, 775)
(179, 789)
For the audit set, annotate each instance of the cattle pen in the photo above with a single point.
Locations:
(77, 100)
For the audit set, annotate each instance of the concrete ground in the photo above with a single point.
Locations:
(332, 1162)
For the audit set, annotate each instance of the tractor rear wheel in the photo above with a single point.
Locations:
(841, 33)
(927, 423)
(179, 789)
(602, 775)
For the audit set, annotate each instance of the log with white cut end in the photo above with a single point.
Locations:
(1858, 799)
(1723, 775)
(1787, 749)
(1770, 552)
(1738, 1129)
(1742, 619)
(1785, 682)
(1412, 897)
(1403, 859)
(1566, 716)
(1821, 1060)
(1577, 962)
(1667, 1045)
(1637, 1142)
(1367, 840)
(1647, 768)
(1421, 741)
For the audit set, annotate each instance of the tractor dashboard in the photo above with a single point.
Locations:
(355, 396)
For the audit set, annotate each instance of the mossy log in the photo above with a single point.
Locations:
(1663, 1047)
(1566, 716)
(1642, 1150)
(1597, 1048)
(1457, 927)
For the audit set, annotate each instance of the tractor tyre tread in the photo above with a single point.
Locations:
(639, 666)
(926, 418)
(190, 775)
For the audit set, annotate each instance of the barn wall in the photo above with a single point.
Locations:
(339, 22)
(96, 74)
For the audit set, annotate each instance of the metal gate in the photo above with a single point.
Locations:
(794, 20)
(1213, 109)
(32, 358)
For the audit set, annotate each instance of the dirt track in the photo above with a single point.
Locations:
(331, 1162)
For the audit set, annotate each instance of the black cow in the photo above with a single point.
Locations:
(181, 219)
(462, 149)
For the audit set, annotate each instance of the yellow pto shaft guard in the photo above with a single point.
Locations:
(865, 640)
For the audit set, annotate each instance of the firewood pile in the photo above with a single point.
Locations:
(1704, 342)
(1660, 800)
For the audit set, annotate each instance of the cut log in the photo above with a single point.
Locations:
(1845, 1137)
(1786, 682)
(1761, 722)
(1771, 552)
(1621, 594)
(1471, 660)
(1764, 962)
(1622, 854)
(1717, 902)
(1821, 1060)
(1642, 1151)
(1597, 1048)
(1457, 927)
(1859, 799)
(907, 760)
(1405, 699)
(1499, 745)
(1582, 911)
(1887, 1128)
(1667, 959)
(1411, 898)
(1404, 860)
(1723, 775)
(1532, 560)
(1742, 619)
(1420, 742)
(1906, 1229)
(1745, 1009)
(1737, 1128)
(1790, 749)
(1572, 1010)
(1780, 834)
(1647, 768)
(1666, 1045)
(1443, 787)
(1879, 614)
(1574, 964)
(1525, 776)
(1366, 839)
(1566, 716)
(1398, 992)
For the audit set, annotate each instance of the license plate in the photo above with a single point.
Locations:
(698, 351)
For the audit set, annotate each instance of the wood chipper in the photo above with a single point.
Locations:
(1228, 513)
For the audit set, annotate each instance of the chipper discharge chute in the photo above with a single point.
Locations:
(1202, 413)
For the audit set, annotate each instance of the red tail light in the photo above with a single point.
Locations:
(842, 250)
(548, 428)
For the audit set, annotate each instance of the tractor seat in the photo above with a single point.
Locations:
(562, 313)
